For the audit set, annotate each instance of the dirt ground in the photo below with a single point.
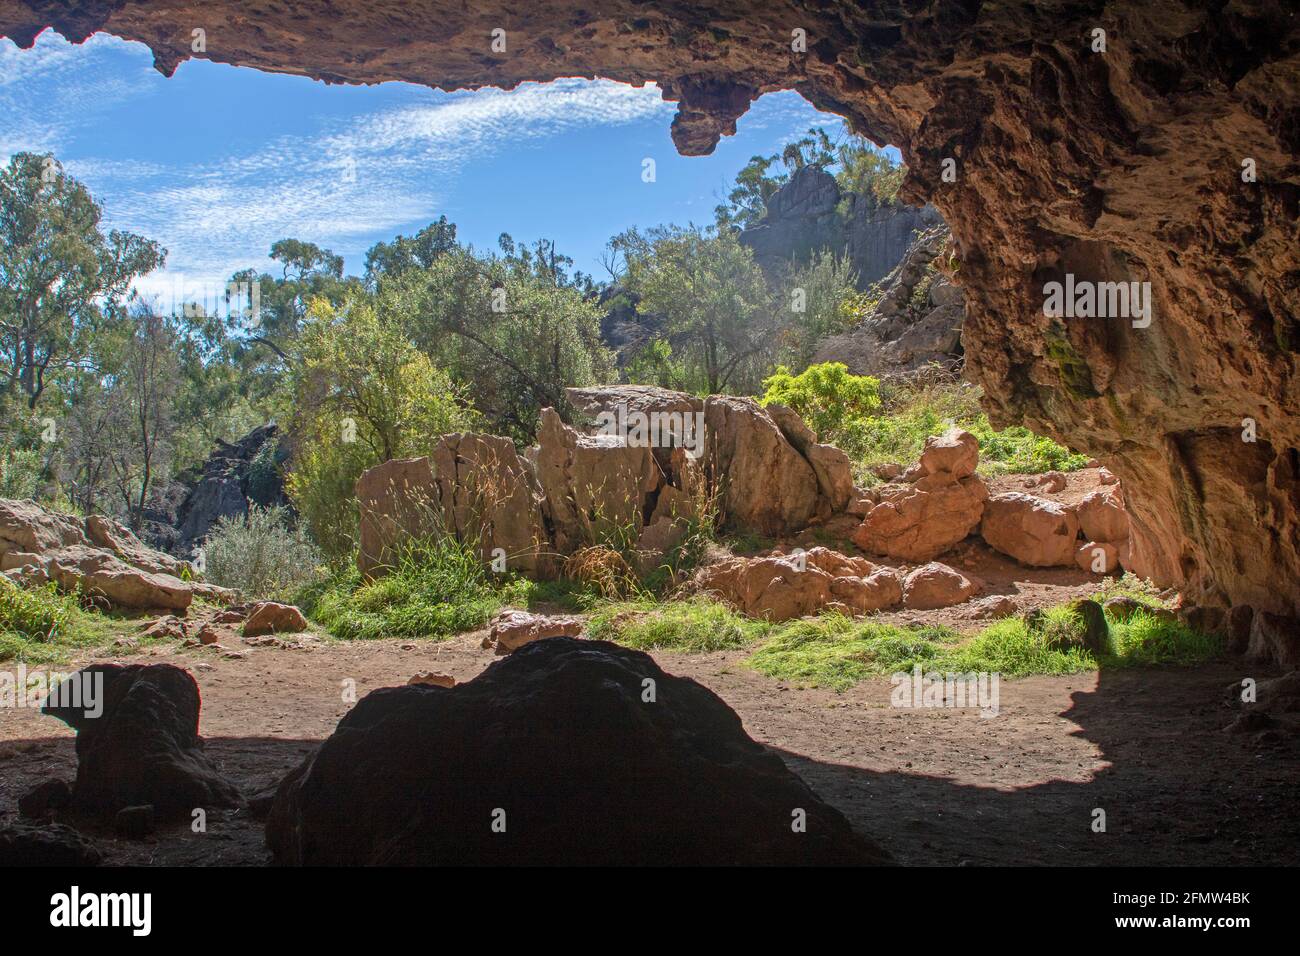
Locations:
(934, 786)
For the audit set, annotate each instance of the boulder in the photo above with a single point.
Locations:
(96, 556)
(956, 452)
(100, 574)
(53, 844)
(937, 585)
(490, 496)
(595, 486)
(765, 484)
(1102, 516)
(1034, 531)
(773, 587)
(511, 629)
(138, 740)
(269, 617)
(565, 753)
(832, 467)
(433, 679)
(922, 521)
(656, 541)
(1099, 557)
(397, 501)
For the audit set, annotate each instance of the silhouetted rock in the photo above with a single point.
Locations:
(144, 745)
(565, 752)
(54, 844)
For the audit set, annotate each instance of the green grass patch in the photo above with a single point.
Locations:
(696, 624)
(837, 652)
(437, 588)
(42, 626)
(912, 413)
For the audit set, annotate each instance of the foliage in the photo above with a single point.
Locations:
(515, 329)
(260, 555)
(438, 587)
(825, 396)
(363, 395)
(721, 315)
(41, 626)
(61, 279)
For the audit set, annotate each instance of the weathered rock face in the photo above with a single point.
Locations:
(937, 585)
(916, 322)
(97, 556)
(138, 741)
(805, 216)
(552, 756)
(1118, 165)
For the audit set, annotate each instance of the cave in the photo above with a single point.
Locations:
(1151, 142)
(1146, 149)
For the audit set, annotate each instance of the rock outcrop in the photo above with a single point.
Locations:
(810, 214)
(564, 752)
(916, 320)
(138, 740)
(640, 465)
(96, 557)
(941, 507)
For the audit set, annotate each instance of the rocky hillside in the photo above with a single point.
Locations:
(810, 214)
(916, 321)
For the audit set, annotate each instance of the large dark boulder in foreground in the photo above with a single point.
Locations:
(144, 747)
(558, 742)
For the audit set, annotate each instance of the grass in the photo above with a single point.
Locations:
(438, 588)
(697, 624)
(835, 651)
(42, 626)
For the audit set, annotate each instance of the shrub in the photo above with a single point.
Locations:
(20, 473)
(826, 396)
(260, 555)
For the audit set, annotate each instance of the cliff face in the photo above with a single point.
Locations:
(805, 216)
(1172, 157)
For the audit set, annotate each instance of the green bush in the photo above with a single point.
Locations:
(826, 396)
(20, 473)
(260, 555)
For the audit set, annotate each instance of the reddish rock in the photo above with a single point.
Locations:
(1034, 531)
(433, 679)
(923, 521)
(956, 452)
(937, 585)
(269, 617)
(1099, 557)
(511, 629)
(1102, 516)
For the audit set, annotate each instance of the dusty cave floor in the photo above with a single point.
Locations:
(936, 787)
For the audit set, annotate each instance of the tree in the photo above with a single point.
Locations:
(61, 278)
(363, 395)
(722, 320)
(417, 252)
(515, 329)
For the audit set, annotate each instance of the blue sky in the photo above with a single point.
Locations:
(218, 162)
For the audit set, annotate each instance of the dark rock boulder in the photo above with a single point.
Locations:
(23, 844)
(138, 741)
(568, 752)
